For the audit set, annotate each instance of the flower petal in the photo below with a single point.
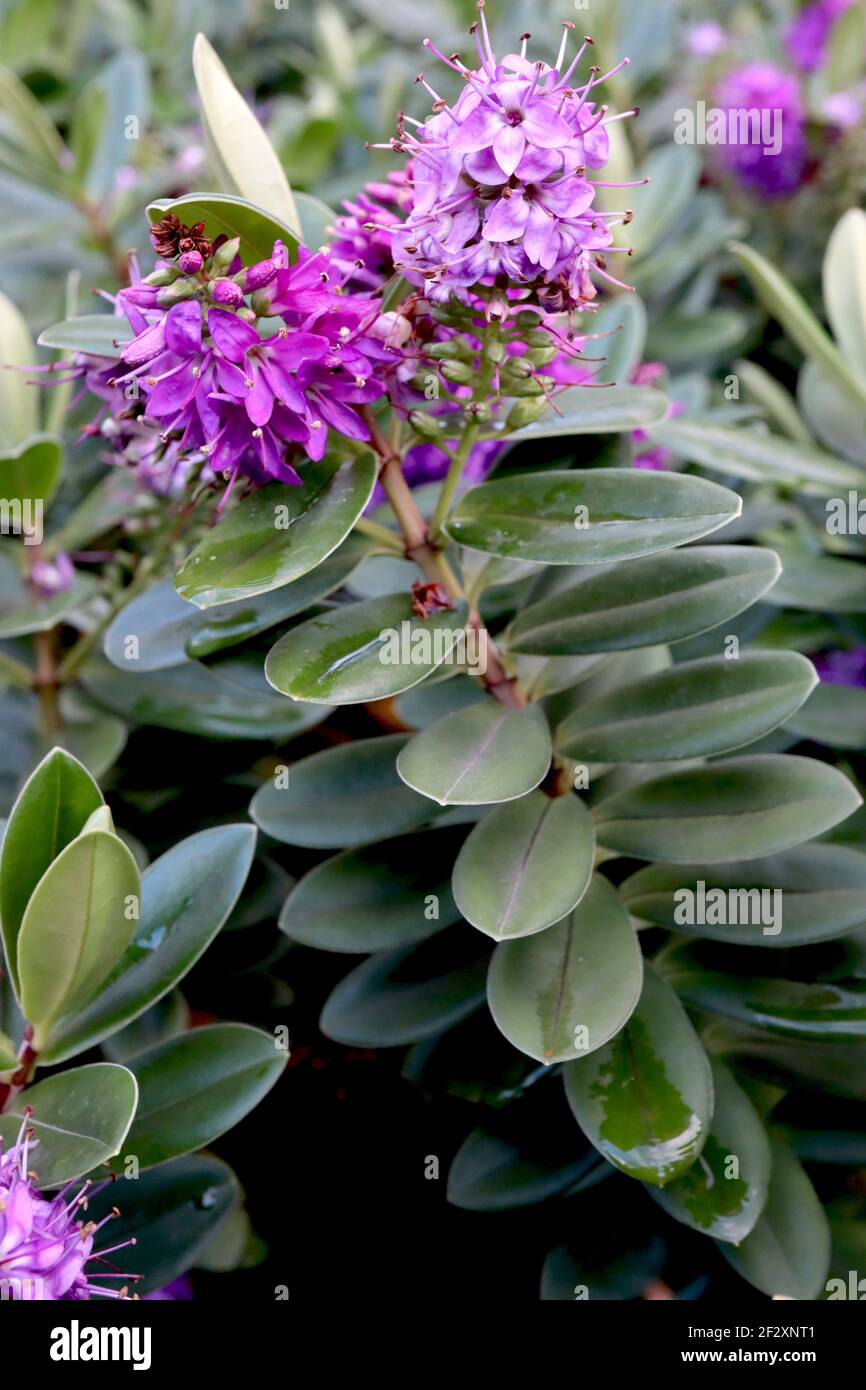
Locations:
(507, 218)
(230, 334)
(183, 328)
(508, 148)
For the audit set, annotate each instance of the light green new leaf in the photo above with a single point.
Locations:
(80, 1117)
(277, 534)
(246, 161)
(584, 517)
(740, 808)
(76, 927)
(30, 474)
(844, 280)
(561, 993)
(19, 401)
(525, 866)
(645, 1099)
(50, 811)
(478, 755)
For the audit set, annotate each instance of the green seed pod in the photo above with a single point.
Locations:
(526, 413)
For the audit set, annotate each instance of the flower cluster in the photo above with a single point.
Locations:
(202, 386)
(500, 190)
(807, 36)
(760, 87)
(44, 1247)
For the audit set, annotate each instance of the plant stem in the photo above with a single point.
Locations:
(468, 438)
(47, 682)
(15, 672)
(379, 533)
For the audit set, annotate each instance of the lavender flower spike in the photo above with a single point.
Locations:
(44, 1247)
(500, 187)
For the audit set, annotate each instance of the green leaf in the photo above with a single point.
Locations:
(484, 753)
(116, 498)
(77, 924)
(31, 472)
(788, 307)
(818, 583)
(682, 340)
(495, 1172)
(579, 411)
(724, 1193)
(822, 887)
(844, 280)
(673, 172)
(645, 1099)
(833, 714)
(103, 335)
(49, 813)
(246, 161)
(19, 401)
(171, 1213)
(761, 458)
(398, 997)
(585, 517)
(564, 992)
(363, 651)
(341, 797)
(525, 866)
(19, 619)
(837, 418)
(625, 319)
(228, 699)
(8, 1055)
(187, 895)
(81, 1118)
(196, 1086)
(278, 533)
(823, 1011)
(228, 216)
(691, 710)
(36, 132)
(733, 809)
(387, 894)
(788, 1251)
(121, 87)
(761, 387)
(660, 598)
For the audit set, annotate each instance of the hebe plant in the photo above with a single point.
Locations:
(557, 785)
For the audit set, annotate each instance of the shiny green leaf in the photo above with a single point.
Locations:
(80, 1118)
(478, 755)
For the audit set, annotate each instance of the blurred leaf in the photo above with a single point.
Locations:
(759, 457)
(581, 410)
(19, 401)
(104, 335)
(788, 1252)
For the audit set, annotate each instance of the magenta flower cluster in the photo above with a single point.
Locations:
(44, 1245)
(766, 89)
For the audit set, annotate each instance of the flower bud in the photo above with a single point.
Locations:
(517, 367)
(191, 262)
(163, 275)
(258, 275)
(223, 256)
(226, 293)
(543, 356)
(181, 289)
(426, 427)
(454, 348)
(526, 412)
(530, 386)
(459, 372)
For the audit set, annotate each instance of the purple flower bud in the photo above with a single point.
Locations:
(226, 292)
(191, 262)
(259, 275)
(51, 577)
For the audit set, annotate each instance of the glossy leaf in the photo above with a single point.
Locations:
(77, 924)
(822, 892)
(659, 598)
(579, 411)
(724, 1193)
(691, 710)
(823, 1011)
(733, 809)
(401, 996)
(226, 215)
(277, 534)
(564, 992)
(481, 754)
(341, 797)
(363, 651)
(186, 896)
(171, 1212)
(195, 1086)
(31, 472)
(645, 1099)
(788, 1252)
(51, 808)
(386, 895)
(525, 866)
(587, 517)
(494, 1171)
(80, 1118)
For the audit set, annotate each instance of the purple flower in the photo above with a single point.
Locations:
(706, 39)
(52, 577)
(43, 1246)
(842, 667)
(178, 1291)
(777, 169)
(361, 247)
(806, 38)
(500, 187)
